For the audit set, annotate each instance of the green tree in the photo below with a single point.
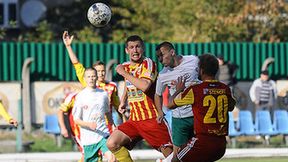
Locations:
(173, 20)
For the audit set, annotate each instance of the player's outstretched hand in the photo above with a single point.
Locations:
(13, 122)
(180, 86)
(67, 39)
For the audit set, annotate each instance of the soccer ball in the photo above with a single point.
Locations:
(99, 14)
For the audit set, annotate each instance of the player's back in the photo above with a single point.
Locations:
(210, 108)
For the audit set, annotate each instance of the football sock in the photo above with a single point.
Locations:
(123, 155)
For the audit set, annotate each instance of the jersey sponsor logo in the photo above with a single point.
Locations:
(186, 76)
(212, 85)
(216, 91)
(135, 95)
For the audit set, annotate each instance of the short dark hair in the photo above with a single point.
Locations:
(209, 64)
(166, 44)
(265, 72)
(98, 63)
(134, 38)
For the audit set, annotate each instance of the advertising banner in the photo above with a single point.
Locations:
(47, 97)
(10, 95)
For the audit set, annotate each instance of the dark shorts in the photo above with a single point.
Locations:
(203, 149)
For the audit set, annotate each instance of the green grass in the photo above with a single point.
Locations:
(46, 143)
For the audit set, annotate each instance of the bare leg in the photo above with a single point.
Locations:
(166, 150)
(116, 140)
(115, 144)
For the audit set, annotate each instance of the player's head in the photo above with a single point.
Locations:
(134, 46)
(264, 75)
(90, 76)
(165, 52)
(208, 65)
(99, 66)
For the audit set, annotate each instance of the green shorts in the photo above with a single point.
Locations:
(91, 151)
(182, 130)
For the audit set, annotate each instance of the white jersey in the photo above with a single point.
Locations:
(168, 76)
(91, 106)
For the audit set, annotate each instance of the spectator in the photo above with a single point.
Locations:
(263, 92)
(226, 72)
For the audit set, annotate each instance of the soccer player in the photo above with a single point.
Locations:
(66, 108)
(6, 116)
(211, 100)
(140, 75)
(91, 104)
(175, 66)
(109, 87)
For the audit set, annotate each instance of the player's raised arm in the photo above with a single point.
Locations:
(67, 40)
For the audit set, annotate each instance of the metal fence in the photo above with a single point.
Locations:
(51, 62)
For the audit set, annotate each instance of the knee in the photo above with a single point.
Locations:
(112, 144)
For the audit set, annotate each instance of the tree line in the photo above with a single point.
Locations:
(173, 20)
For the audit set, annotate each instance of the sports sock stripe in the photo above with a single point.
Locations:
(186, 149)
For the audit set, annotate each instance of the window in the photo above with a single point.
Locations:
(1, 14)
(9, 13)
